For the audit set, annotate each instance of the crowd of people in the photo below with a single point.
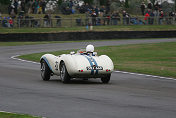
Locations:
(27, 6)
(19, 10)
(99, 15)
(154, 11)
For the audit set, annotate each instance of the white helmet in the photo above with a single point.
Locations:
(89, 48)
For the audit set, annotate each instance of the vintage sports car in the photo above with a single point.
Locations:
(83, 64)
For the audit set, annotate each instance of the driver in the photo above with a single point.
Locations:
(89, 49)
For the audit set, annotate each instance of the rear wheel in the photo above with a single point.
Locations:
(45, 71)
(106, 79)
(65, 78)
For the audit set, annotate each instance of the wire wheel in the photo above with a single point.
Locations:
(45, 71)
(65, 78)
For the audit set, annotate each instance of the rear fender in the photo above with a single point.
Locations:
(69, 63)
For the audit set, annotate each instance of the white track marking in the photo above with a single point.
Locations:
(138, 74)
(15, 57)
(153, 76)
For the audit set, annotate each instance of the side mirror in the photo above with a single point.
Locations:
(95, 53)
(72, 52)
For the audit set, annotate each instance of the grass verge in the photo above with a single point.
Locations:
(96, 28)
(45, 42)
(50, 42)
(31, 43)
(12, 115)
(156, 59)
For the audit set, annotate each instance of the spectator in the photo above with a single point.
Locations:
(39, 11)
(107, 19)
(115, 17)
(87, 20)
(124, 17)
(102, 12)
(29, 5)
(148, 11)
(22, 5)
(146, 19)
(58, 20)
(16, 6)
(36, 6)
(97, 11)
(151, 18)
(68, 11)
(172, 14)
(43, 5)
(156, 6)
(46, 20)
(171, 18)
(127, 19)
(149, 6)
(94, 15)
(20, 19)
(70, 4)
(4, 22)
(143, 8)
(161, 16)
(102, 9)
(11, 22)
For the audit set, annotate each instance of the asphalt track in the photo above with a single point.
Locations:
(127, 95)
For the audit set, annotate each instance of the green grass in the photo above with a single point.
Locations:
(49, 42)
(156, 59)
(24, 43)
(12, 115)
(31, 43)
(46, 42)
(96, 28)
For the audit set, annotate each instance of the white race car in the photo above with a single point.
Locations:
(83, 64)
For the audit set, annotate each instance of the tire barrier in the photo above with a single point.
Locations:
(89, 35)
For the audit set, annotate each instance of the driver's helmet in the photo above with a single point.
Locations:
(90, 48)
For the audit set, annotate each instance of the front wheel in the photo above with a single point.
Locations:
(106, 79)
(45, 71)
(65, 78)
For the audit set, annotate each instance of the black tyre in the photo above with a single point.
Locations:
(106, 79)
(45, 71)
(65, 78)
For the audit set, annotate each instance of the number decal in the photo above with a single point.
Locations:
(56, 65)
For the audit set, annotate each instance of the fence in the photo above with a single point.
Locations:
(73, 22)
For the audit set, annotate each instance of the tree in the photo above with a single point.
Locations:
(5, 2)
(167, 7)
(134, 6)
(88, 1)
(153, 1)
(126, 4)
(115, 5)
(103, 2)
(175, 5)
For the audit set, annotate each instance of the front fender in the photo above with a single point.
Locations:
(51, 61)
